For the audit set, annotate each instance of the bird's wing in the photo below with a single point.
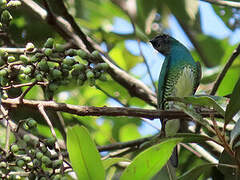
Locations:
(199, 76)
(161, 82)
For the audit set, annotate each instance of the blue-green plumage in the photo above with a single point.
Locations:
(180, 74)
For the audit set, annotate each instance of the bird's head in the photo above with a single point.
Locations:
(162, 43)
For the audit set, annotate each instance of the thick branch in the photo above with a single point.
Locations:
(224, 3)
(102, 111)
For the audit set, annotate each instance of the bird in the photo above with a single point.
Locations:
(180, 76)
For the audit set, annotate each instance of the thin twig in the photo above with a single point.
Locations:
(7, 138)
(224, 3)
(147, 66)
(23, 85)
(234, 55)
(44, 114)
(26, 91)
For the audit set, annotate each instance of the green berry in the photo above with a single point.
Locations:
(39, 77)
(79, 67)
(57, 164)
(82, 54)
(20, 163)
(90, 74)
(91, 82)
(30, 47)
(24, 58)
(4, 82)
(46, 160)
(3, 72)
(71, 52)
(96, 54)
(3, 53)
(43, 65)
(11, 58)
(59, 47)
(50, 141)
(37, 163)
(39, 155)
(25, 126)
(3, 164)
(14, 148)
(26, 138)
(104, 66)
(43, 149)
(27, 159)
(28, 70)
(68, 61)
(31, 123)
(49, 43)
(103, 77)
(53, 87)
(48, 52)
(6, 17)
(56, 74)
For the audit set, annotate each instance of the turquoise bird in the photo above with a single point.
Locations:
(179, 77)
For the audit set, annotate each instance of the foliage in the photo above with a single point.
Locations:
(60, 60)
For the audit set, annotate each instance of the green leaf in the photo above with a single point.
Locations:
(195, 172)
(84, 157)
(234, 106)
(206, 101)
(111, 161)
(150, 161)
(129, 132)
(235, 132)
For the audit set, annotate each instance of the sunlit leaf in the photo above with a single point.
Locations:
(129, 132)
(235, 132)
(234, 106)
(150, 161)
(84, 157)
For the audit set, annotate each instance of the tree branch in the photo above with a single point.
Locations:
(235, 54)
(102, 111)
(224, 3)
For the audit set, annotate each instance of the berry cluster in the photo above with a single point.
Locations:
(37, 158)
(54, 65)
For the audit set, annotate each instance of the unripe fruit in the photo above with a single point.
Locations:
(30, 47)
(59, 47)
(71, 52)
(2, 62)
(43, 149)
(57, 164)
(82, 54)
(79, 67)
(31, 123)
(103, 77)
(3, 72)
(3, 53)
(24, 58)
(68, 61)
(39, 155)
(11, 58)
(43, 65)
(91, 82)
(90, 74)
(57, 74)
(6, 17)
(49, 43)
(3, 164)
(27, 159)
(104, 66)
(96, 54)
(26, 138)
(14, 148)
(39, 77)
(46, 160)
(48, 52)
(50, 141)
(37, 163)
(53, 87)
(27, 70)
(20, 163)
